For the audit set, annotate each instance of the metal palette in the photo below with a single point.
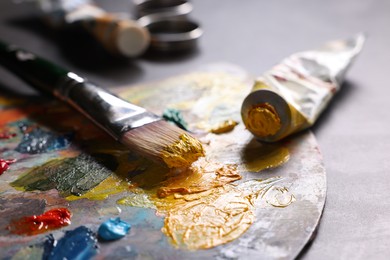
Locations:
(287, 211)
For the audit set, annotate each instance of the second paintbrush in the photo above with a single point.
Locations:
(140, 130)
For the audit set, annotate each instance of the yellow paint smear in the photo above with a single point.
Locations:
(202, 209)
(141, 200)
(111, 185)
(200, 176)
(265, 157)
(263, 120)
(215, 216)
(224, 127)
(210, 219)
(220, 215)
(183, 152)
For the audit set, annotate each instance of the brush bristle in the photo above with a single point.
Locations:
(155, 141)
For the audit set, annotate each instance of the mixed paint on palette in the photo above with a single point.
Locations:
(61, 178)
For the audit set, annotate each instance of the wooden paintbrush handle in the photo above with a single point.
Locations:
(119, 36)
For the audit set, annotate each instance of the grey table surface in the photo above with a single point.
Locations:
(353, 133)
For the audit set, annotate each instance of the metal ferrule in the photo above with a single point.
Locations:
(112, 113)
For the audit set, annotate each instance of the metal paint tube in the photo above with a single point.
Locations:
(117, 33)
(291, 96)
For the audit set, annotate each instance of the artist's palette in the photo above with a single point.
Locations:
(270, 213)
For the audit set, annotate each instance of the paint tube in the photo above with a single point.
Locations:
(291, 96)
(115, 32)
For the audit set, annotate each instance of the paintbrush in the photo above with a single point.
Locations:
(140, 130)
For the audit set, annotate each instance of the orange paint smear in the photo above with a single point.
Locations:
(11, 115)
(33, 225)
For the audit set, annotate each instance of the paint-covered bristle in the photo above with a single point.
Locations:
(163, 142)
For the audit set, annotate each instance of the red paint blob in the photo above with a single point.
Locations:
(7, 135)
(33, 225)
(4, 165)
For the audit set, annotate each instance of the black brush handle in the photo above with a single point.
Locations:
(113, 114)
(36, 71)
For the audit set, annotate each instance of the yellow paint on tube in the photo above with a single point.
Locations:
(263, 120)
(269, 116)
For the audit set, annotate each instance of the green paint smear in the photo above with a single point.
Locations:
(174, 116)
(71, 176)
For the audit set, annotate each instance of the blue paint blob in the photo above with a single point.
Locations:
(113, 229)
(77, 244)
(41, 141)
(48, 246)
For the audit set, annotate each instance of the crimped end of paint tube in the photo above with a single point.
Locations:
(263, 120)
